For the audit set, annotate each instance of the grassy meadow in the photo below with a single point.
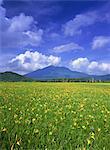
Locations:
(54, 116)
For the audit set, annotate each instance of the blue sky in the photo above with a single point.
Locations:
(35, 34)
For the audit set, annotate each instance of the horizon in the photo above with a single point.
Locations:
(55, 67)
(72, 34)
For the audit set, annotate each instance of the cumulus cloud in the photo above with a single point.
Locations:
(31, 61)
(20, 23)
(67, 47)
(79, 63)
(100, 42)
(19, 31)
(90, 67)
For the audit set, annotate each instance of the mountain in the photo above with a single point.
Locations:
(14, 77)
(53, 72)
(101, 77)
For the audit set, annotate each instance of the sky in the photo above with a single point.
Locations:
(35, 34)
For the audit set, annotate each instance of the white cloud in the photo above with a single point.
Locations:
(34, 38)
(20, 23)
(67, 47)
(81, 21)
(79, 63)
(30, 61)
(19, 31)
(90, 67)
(100, 42)
(75, 25)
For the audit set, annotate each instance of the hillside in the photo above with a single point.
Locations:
(12, 77)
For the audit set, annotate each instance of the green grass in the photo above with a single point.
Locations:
(55, 116)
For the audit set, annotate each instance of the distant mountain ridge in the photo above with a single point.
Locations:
(53, 72)
(101, 77)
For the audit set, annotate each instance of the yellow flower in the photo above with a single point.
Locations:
(9, 108)
(75, 124)
(92, 136)
(50, 133)
(4, 129)
(84, 127)
(99, 129)
(36, 131)
(33, 120)
(15, 115)
(88, 142)
(18, 143)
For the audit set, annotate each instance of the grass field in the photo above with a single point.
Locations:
(55, 116)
